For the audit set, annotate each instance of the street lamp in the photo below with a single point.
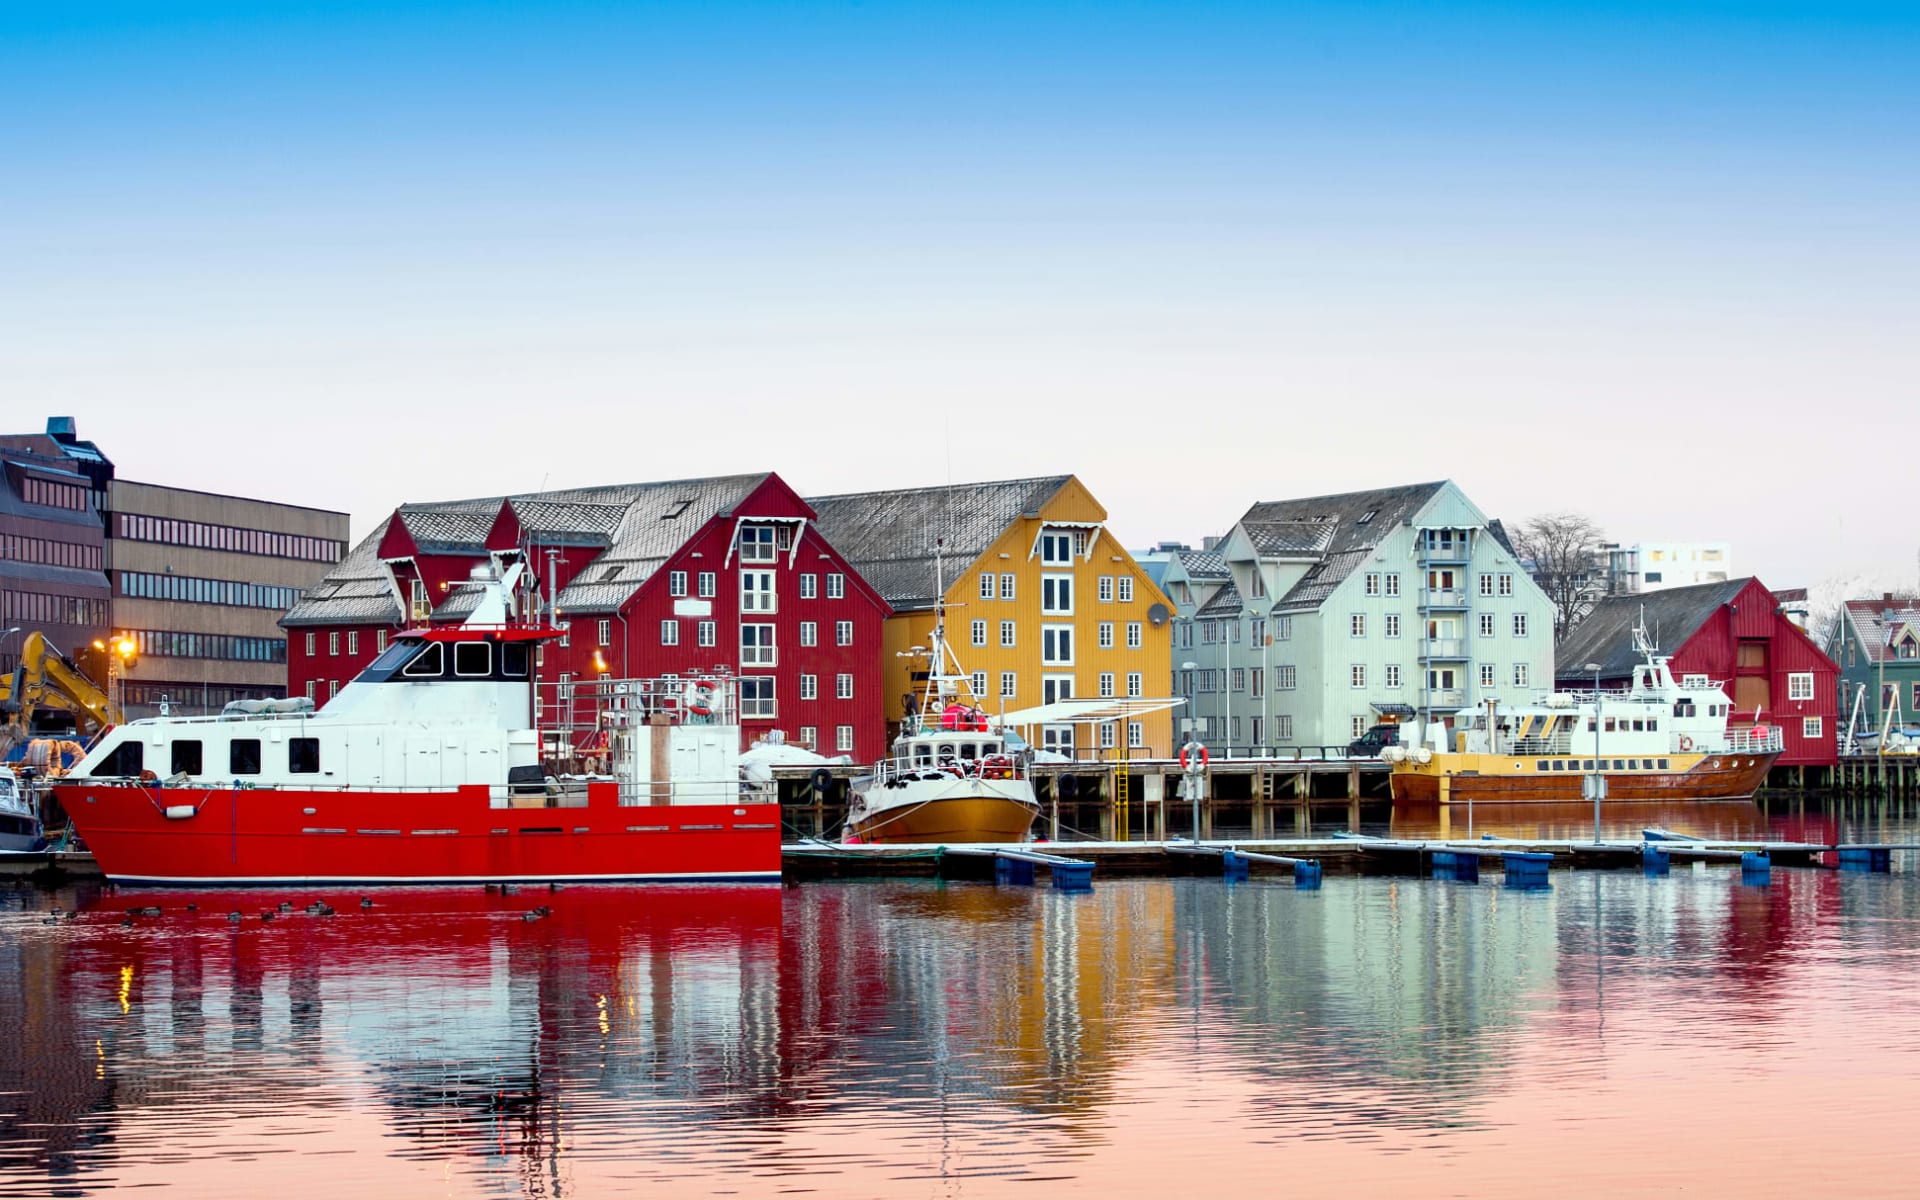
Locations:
(1188, 781)
(1598, 783)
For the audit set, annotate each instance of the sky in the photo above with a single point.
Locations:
(1652, 262)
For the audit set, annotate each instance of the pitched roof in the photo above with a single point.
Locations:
(1339, 531)
(1874, 621)
(1671, 616)
(891, 537)
(1203, 564)
(1223, 603)
(640, 524)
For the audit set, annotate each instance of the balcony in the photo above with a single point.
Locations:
(1443, 649)
(1447, 698)
(1457, 551)
(1431, 598)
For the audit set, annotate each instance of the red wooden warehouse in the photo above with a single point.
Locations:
(685, 577)
(1733, 633)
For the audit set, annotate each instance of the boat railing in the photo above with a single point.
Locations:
(1556, 743)
(1702, 685)
(990, 766)
(1758, 739)
(587, 706)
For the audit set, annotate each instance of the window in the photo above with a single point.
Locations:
(757, 544)
(1006, 587)
(303, 756)
(809, 736)
(186, 757)
(979, 630)
(1106, 685)
(1694, 681)
(1800, 685)
(1373, 583)
(1488, 625)
(1283, 728)
(709, 585)
(1393, 583)
(1283, 678)
(1009, 684)
(809, 633)
(1056, 547)
(1486, 584)
(1136, 735)
(1486, 675)
(605, 632)
(1520, 675)
(843, 738)
(986, 585)
(243, 756)
(669, 633)
(1006, 633)
(1135, 682)
(756, 592)
(1283, 629)
(1106, 589)
(1106, 735)
(333, 688)
(1239, 681)
(1358, 678)
(843, 633)
(1056, 645)
(1106, 635)
(1125, 584)
(756, 699)
(353, 641)
(843, 686)
(809, 687)
(313, 686)
(1506, 585)
(1392, 678)
(379, 641)
(676, 583)
(836, 586)
(809, 586)
(426, 664)
(333, 642)
(472, 659)
(1056, 595)
(1519, 624)
(1810, 727)
(1359, 727)
(1357, 625)
(706, 630)
(1133, 635)
(756, 646)
(977, 685)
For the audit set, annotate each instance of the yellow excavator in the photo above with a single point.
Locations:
(48, 698)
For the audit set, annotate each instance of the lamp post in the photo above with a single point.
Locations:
(1598, 783)
(1189, 749)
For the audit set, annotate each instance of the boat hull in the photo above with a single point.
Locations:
(1707, 777)
(964, 811)
(276, 836)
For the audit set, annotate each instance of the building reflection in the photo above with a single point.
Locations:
(674, 1026)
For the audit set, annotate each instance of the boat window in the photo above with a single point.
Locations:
(393, 656)
(1612, 723)
(923, 753)
(428, 665)
(471, 658)
(243, 756)
(1540, 765)
(1587, 765)
(946, 750)
(1590, 725)
(1663, 764)
(969, 750)
(1619, 765)
(513, 660)
(1653, 726)
(186, 757)
(1639, 726)
(128, 758)
(303, 754)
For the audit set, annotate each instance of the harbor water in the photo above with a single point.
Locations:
(1613, 1033)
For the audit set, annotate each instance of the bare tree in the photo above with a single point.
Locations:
(1562, 552)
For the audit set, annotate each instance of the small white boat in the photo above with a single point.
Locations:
(19, 823)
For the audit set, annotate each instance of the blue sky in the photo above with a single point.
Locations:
(1653, 261)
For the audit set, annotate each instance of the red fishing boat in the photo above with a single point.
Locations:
(442, 762)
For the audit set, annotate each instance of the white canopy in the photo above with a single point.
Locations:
(1089, 711)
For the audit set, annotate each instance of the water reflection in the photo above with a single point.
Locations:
(868, 1037)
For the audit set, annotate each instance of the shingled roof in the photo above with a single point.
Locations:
(891, 537)
(640, 524)
(1670, 616)
(1339, 532)
(1873, 620)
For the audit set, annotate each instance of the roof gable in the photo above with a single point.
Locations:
(1671, 617)
(1336, 533)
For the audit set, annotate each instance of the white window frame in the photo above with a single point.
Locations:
(1286, 677)
(1522, 674)
(1282, 728)
(1124, 584)
(809, 736)
(977, 683)
(809, 687)
(707, 633)
(1489, 625)
(1009, 684)
(1136, 734)
(1812, 728)
(1106, 685)
(1106, 635)
(986, 585)
(978, 632)
(809, 633)
(843, 633)
(676, 583)
(1800, 685)
(809, 586)
(836, 586)
(757, 544)
(333, 642)
(1506, 584)
(1008, 586)
(709, 585)
(843, 739)
(1357, 678)
(763, 648)
(1106, 589)
(1390, 625)
(669, 632)
(1486, 583)
(1357, 625)
(1488, 675)
(1373, 583)
(1053, 639)
(758, 707)
(1007, 634)
(843, 685)
(1056, 595)
(1393, 583)
(1390, 676)
(1134, 635)
(756, 592)
(1056, 547)
(604, 629)
(1520, 625)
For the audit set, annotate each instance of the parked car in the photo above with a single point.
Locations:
(1373, 741)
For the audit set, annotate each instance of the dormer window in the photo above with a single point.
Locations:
(758, 543)
(1056, 547)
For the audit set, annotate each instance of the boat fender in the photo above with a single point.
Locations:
(1686, 744)
(1186, 752)
(1067, 786)
(1422, 755)
(822, 781)
(180, 812)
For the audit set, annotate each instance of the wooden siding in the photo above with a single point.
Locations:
(1754, 617)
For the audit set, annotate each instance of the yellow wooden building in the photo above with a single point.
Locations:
(1042, 603)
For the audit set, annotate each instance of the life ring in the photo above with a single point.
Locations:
(822, 781)
(1185, 762)
(698, 697)
(1686, 744)
(1762, 732)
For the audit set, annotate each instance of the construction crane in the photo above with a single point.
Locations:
(48, 696)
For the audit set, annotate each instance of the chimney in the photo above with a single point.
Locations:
(1210, 543)
(61, 429)
(1886, 598)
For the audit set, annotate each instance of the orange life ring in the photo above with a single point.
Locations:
(699, 697)
(1761, 732)
(1187, 766)
(1686, 744)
